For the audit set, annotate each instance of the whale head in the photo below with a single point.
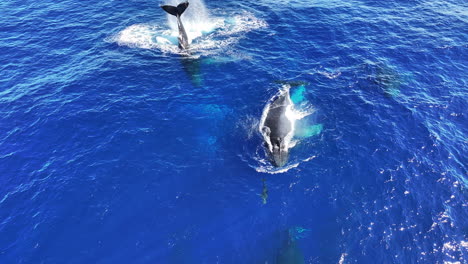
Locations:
(279, 153)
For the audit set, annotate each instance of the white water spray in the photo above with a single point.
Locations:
(196, 19)
(208, 34)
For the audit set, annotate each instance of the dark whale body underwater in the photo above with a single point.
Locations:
(177, 12)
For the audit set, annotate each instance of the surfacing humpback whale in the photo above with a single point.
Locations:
(277, 128)
(177, 12)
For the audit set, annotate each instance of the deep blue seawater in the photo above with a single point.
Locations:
(116, 149)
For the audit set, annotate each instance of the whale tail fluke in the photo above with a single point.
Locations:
(176, 11)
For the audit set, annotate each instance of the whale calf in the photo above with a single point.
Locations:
(277, 128)
(177, 12)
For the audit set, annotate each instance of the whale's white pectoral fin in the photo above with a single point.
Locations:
(309, 131)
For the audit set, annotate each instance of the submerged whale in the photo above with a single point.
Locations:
(277, 128)
(177, 12)
(290, 252)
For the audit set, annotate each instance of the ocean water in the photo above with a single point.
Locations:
(117, 148)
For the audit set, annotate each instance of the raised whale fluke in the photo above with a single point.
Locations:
(177, 12)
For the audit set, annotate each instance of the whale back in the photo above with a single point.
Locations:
(276, 120)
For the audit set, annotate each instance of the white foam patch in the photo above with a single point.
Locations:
(205, 36)
(145, 36)
(342, 258)
(266, 166)
(330, 75)
(273, 170)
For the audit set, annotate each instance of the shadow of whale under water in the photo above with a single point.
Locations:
(290, 252)
(192, 66)
(382, 76)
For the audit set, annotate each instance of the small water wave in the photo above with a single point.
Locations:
(264, 166)
(205, 36)
(330, 75)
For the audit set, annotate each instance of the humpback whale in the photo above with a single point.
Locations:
(177, 12)
(290, 252)
(277, 128)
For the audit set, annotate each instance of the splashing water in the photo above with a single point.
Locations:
(207, 34)
(196, 19)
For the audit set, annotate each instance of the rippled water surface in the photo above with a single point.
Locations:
(117, 148)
